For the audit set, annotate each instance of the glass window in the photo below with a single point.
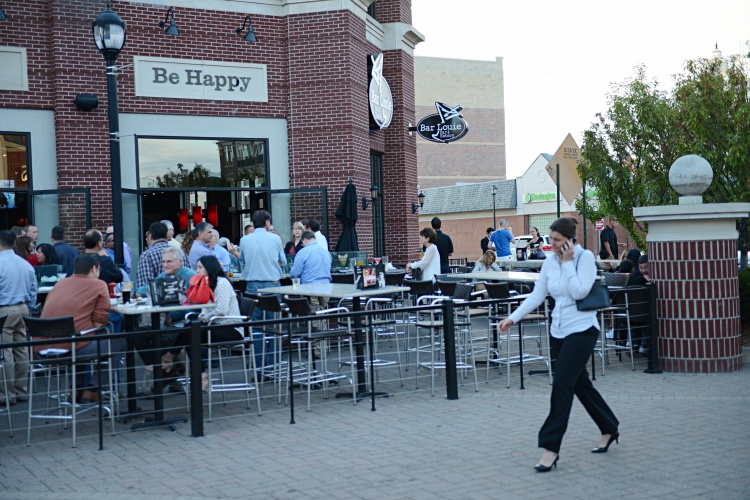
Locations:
(201, 163)
(14, 174)
(13, 162)
(371, 10)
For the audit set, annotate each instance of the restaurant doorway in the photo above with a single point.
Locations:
(229, 210)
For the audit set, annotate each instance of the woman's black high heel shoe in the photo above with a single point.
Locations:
(546, 468)
(614, 437)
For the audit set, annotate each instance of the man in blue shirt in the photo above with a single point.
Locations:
(502, 239)
(262, 256)
(17, 297)
(66, 253)
(221, 253)
(313, 263)
(200, 248)
(262, 259)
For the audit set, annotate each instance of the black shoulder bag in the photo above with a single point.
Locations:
(598, 297)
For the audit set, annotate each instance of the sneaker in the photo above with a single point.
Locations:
(643, 350)
(611, 333)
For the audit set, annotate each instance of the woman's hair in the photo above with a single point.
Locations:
(297, 225)
(565, 226)
(429, 233)
(489, 254)
(22, 246)
(187, 242)
(213, 267)
(50, 255)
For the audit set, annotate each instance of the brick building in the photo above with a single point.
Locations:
(211, 126)
(478, 87)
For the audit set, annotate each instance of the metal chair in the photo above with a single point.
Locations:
(319, 331)
(273, 308)
(64, 363)
(630, 310)
(5, 379)
(224, 349)
(432, 321)
(246, 347)
(539, 318)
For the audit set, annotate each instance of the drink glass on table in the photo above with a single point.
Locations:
(377, 260)
(295, 282)
(125, 295)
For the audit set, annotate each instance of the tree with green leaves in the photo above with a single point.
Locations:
(198, 176)
(627, 153)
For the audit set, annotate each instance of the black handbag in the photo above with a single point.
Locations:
(598, 297)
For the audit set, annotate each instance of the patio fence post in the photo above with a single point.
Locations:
(449, 340)
(196, 391)
(653, 351)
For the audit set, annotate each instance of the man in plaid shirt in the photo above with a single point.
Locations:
(149, 265)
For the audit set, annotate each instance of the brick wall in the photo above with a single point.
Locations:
(698, 305)
(317, 80)
(478, 157)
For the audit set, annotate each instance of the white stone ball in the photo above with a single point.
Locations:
(691, 175)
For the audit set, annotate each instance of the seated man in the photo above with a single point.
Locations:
(312, 265)
(172, 264)
(85, 297)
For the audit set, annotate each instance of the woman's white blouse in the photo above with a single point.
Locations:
(429, 263)
(565, 285)
(480, 268)
(226, 302)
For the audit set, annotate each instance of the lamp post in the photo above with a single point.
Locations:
(109, 35)
(494, 215)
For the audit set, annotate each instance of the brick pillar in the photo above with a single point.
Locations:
(698, 305)
(692, 252)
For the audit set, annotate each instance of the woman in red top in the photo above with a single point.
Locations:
(25, 249)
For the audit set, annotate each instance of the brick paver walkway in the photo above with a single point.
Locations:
(682, 436)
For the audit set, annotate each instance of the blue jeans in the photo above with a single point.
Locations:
(258, 315)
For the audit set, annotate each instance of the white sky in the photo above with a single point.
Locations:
(559, 58)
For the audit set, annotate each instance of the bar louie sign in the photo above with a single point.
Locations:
(447, 125)
(205, 80)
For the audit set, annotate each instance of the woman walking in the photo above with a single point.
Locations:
(568, 276)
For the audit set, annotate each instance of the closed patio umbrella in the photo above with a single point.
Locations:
(346, 213)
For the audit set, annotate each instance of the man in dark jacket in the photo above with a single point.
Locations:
(486, 240)
(444, 245)
(94, 243)
(66, 253)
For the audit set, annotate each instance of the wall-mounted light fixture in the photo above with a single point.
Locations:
(250, 37)
(3, 17)
(86, 102)
(373, 195)
(420, 197)
(172, 30)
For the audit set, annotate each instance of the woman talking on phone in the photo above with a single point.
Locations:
(568, 276)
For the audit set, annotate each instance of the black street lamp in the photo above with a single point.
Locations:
(494, 216)
(109, 35)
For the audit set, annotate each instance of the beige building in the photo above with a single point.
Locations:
(478, 87)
